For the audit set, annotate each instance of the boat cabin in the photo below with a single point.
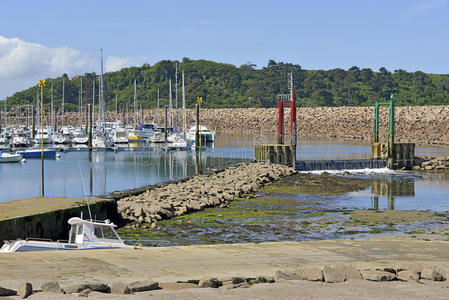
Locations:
(87, 231)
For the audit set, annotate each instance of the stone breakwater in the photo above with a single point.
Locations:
(418, 124)
(199, 192)
(432, 164)
(337, 273)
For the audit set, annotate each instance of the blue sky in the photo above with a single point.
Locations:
(65, 36)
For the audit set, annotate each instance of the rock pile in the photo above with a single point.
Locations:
(199, 192)
(418, 124)
(330, 274)
(432, 163)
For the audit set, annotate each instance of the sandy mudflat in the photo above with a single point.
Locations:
(171, 264)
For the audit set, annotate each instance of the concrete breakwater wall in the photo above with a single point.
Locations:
(199, 192)
(53, 223)
(419, 124)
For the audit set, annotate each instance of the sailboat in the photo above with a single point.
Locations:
(133, 136)
(101, 139)
(178, 141)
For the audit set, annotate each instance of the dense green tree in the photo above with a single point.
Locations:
(225, 85)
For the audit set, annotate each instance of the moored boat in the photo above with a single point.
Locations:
(10, 157)
(83, 235)
(37, 153)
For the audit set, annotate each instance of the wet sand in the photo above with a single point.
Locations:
(170, 264)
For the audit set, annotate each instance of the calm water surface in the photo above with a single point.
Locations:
(76, 174)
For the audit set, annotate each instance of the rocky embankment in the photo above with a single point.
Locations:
(418, 124)
(199, 192)
(338, 273)
(432, 163)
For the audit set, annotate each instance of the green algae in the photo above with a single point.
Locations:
(316, 185)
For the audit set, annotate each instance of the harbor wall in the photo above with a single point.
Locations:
(418, 124)
(53, 224)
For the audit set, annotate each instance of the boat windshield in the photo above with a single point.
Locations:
(105, 233)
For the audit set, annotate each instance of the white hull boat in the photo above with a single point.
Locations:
(59, 139)
(83, 139)
(83, 235)
(206, 135)
(100, 142)
(10, 157)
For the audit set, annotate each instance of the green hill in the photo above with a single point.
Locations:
(225, 85)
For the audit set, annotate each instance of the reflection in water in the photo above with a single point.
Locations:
(389, 188)
(105, 171)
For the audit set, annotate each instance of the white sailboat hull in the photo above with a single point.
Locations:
(9, 158)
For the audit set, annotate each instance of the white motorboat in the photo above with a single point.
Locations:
(10, 157)
(21, 139)
(4, 140)
(81, 138)
(180, 144)
(42, 134)
(206, 135)
(59, 138)
(119, 136)
(146, 130)
(100, 141)
(83, 235)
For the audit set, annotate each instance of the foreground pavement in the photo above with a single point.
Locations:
(171, 264)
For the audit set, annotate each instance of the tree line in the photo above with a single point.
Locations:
(228, 86)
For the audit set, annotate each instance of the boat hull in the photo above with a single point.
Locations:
(11, 158)
(38, 153)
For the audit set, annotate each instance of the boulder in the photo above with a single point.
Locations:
(377, 275)
(209, 283)
(351, 272)
(333, 276)
(98, 287)
(25, 290)
(237, 280)
(52, 287)
(408, 275)
(7, 292)
(143, 286)
(310, 274)
(431, 274)
(264, 279)
(85, 293)
(194, 281)
(281, 275)
(177, 286)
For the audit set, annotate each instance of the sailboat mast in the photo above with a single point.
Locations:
(135, 103)
(170, 104)
(28, 113)
(157, 112)
(52, 111)
(63, 92)
(116, 105)
(6, 115)
(102, 104)
(176, 95)
(93, 96)
(38, 116)
(81, 102)
(141, 114)
(183, 106)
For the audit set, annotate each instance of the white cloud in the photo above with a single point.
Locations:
(114, 63)
(23, 63)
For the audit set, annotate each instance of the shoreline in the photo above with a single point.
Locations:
(189, 263)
